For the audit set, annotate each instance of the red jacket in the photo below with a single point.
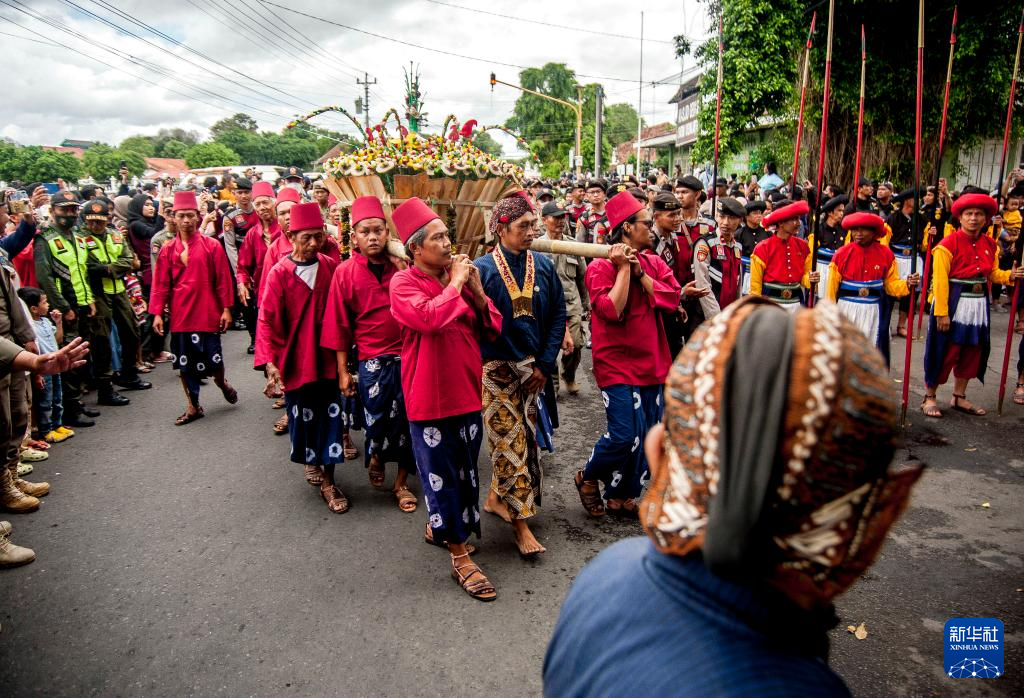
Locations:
(197, 292)
(359, 311)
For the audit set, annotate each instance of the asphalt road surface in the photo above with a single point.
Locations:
(196, 561)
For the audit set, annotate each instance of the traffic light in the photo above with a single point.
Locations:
(494, 80)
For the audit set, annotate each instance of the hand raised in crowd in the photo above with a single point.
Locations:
(40, 197)
(124, 174)
(71, 356)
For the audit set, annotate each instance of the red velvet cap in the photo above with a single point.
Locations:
(982, 201)
(620, 207)
(794, 210)
(305, 217)
(262, 188)
(286, 194)
(331, 199)
(366, 207)
(185, 201)
(412, 215)
(863, 219)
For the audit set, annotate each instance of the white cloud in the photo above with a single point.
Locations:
(52, 93)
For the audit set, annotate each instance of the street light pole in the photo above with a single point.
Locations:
(577, 109)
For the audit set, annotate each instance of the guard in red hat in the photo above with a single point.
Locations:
(359, 322)
(292, 306)
(444, 313)
(629, 291)
(193, 281)
(958, 327)
(780, 266)
(252, 253)
(863, 276)
(281, 245)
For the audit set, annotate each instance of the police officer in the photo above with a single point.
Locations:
(110, 260)
(61, 269)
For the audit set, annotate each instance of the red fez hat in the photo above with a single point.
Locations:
(331, 199)
(620, 207)
(412, 215)
(789, 212)
(185, 201)
(983, 201)
(305, 217)
(262, 188)
(863, 219)
(365, 207)
(286, 194)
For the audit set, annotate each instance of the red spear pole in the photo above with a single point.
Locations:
(914, 238)
(718, 120)
(803, 94)
(936, 208)
(860, 116)
(821, 149)
(999, 193)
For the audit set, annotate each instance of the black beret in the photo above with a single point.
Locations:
(97, 209)
(863, 182)
(666, 202)
(904, 195)
(243, 183)
(752, 206)
(689, 182)
(721, 182)
(840, 200)
(729, 206)
(551, 208)
(616, 189)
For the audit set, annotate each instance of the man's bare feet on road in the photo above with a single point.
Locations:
(495, 506)
(526, 542)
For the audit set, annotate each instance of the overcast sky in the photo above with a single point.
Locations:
(52, 93)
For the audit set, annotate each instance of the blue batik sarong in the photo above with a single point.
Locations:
(384, 419)
(315, 422)
(446, 451)
(618, 459)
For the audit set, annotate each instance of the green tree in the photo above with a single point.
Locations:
(239, 121)
(620, 123)
(543, 123)
(211, 155)
(102, 162)
(487, 143)
(164, 135)
(173, 149)
(33, 164)
(143, 145)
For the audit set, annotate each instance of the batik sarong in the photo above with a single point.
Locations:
(618, 459)
(196, 354)
(510, 416)
(969, 327)
(385, 422)
(446, 451)
(314, 423)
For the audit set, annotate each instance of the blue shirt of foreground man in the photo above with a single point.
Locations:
(756, 519)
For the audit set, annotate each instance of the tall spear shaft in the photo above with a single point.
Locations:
(936, 208)
(916, 224)
(999, 193)
(860, 115)
(718, 120)
(821, 148)
(803, 94)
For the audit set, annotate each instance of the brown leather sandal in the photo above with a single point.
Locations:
(591, 500)
(335, 498)
(626, 510)
(281, 425)
(278, 404)
(376, 472)
(428, 538)
(475, 582)
(187, 417)
(973, 410)
(406, 499)
(932, 411)
(314, 475)
(350, 451)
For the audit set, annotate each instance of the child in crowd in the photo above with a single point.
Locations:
(47, 393)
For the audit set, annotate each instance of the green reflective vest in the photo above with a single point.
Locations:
(106, 249)
(73, 256)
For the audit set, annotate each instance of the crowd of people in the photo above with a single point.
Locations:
(430, 353)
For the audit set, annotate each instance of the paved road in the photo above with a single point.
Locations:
(195, 561)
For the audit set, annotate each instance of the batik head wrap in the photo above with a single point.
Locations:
(780, 432)
(509, 210)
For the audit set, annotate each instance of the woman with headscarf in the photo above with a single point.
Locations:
(143, 223)
(628, 293)
(757, 518)
(120, 217)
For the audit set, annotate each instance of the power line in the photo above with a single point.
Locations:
(427, 48)
(548, 24)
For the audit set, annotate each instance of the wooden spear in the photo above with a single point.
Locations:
(803, 94)
(821, 149)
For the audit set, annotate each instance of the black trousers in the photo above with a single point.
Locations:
(96, 331)
(116, 308)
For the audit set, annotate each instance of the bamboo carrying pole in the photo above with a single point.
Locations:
(579, 249)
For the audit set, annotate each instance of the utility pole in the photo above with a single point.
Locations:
(365, 82)
(577, 109)
(598, 123)
(640, 100)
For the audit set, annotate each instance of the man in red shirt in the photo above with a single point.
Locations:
(629, 292)
(359, 315)
(193, 281)
(252, 253)
(780, 266)
(862, 277)
(288, 343)
(440, 304)
(958, 329)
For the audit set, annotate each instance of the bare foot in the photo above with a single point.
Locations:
(528, 545)
(495, 506)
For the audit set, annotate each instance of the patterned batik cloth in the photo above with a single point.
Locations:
(618, 458)
(446, 451)
(387, 427)
(510, 417)
(315, 422)
(196, 354)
